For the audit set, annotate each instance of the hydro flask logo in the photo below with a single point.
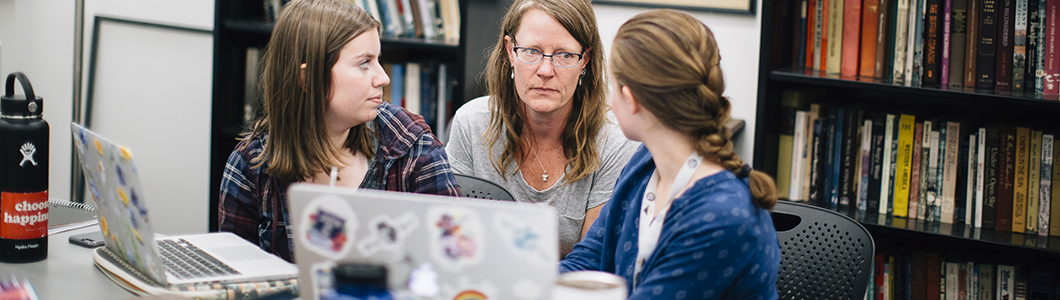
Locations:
(27, 154)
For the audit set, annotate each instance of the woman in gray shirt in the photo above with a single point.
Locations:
(543, 133)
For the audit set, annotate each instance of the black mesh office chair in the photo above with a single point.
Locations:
(474, 187)
(824, 254)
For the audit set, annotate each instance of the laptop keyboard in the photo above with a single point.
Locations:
(184, 260)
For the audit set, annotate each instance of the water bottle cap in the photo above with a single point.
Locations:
(28, 106)
(361, 274)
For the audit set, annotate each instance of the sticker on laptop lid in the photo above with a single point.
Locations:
(328, 225)
(523, 237)
(456, 236)
(465, 289)
(385, 233)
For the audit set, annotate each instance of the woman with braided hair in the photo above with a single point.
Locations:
(687, 219)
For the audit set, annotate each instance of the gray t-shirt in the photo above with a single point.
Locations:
(468, 155)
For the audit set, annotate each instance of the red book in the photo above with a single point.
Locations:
(933, 268)
(812, 27)
(851, 37)
(822, 59)
(1006, 14)
(1006, 169)
(1052, 48)
(870, 18)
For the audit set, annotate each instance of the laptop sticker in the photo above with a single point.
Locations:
(465, 289)
(328, 226)
(388, 234)
(323, 279)
(523, 237)
(456, 237)
(423, 281)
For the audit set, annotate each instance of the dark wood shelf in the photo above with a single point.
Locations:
(265, 28)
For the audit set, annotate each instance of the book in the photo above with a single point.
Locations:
(791, 101)
(933, 268)
(1006, 170)
(918, 279)
(1051, 40)
(1045, 185)
(971, 42)
(851, 37)
(812, 118)
(450, 16)
(882, 67)
(931, 186)
(980, 177)
(986, 60)
(987, 281)
(817, 160)
(932, 41)
(813, 33)
(1032, 78)
(1005, 35)
(1005, 281)
(901, 38)
(906, 128)
(820, 51)
(1040, 284)
(925, 162)
(412, 87)
(967, 180)
(1034, 166)
(952, 279)
(833, 60)
(408, 21)
(129, 278)
(876, 164)
(914, 64)
(870, 21)
(397, 85)
(835, 156)
(865, 165)
(848, 178)
(914, 180)
(1019, 45)
(1054, 210)
(1019, 177)
(885, 177)
(949, 176)
(991, 162)
(953, 59)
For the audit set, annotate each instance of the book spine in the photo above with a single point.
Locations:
(914, 180)
(1006, 171)
(931, 184)
(820, 50)
(914, 64)
(1046, 185)
(1019, 184)
(1052, 49)
(906, 127)
(925, 161)
(851, 37)
(987, 51)
(885, 177)
(952, 280)
(949, 184)
(1032, 78)
(837, 159)
(812, 120)
(797, 153)
(947, 35)
(1034, 167)
(893, 166)
(1005, 282)
(960, 194)
(933, 267)
(829, 158)
(901, 34)
(1019, 45)
(971, 42)
(798, 54)
(986, 281)
(835, 36)
(883, 34)
(980, 177)
(817, 161)
(969, 180)
(933, 41)
(1054, 210)
(848, 184)
(865, 166)
(1005, 35)
(813, 33)
(991, 180)
(870, 18)
(957, 41)
(940, 174)
(879, 124)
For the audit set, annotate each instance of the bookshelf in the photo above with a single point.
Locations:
(778, 73)
(242, 24)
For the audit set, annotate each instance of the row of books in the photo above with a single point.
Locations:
(930, 275)
(1005, 45)
(950, 169)
(422, 87)
(423, 19)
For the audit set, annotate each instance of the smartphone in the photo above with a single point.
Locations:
(88, 240)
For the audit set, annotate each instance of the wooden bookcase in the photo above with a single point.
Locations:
(777, 73)
(241, 24)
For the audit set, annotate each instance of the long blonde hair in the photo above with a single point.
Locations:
(685, 90)
(590, 99)
(311, 32)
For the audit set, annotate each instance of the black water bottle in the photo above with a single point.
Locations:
(23, 174)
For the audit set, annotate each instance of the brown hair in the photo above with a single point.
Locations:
(590, 99)
(310, 32)
(686, 86)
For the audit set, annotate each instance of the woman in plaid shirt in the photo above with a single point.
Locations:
(323, 108)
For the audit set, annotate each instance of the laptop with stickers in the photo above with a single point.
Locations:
(114, 182)
(434, 247)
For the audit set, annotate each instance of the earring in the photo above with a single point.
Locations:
(513, 73)
(580, 77)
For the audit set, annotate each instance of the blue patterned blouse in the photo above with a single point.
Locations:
(715, 243)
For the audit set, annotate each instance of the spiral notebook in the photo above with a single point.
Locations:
(65, 215)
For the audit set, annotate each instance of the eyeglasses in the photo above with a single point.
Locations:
(559, 59)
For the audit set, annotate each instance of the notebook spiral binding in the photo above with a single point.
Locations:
(71, 204)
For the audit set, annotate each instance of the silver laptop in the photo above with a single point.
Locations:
(434, 247)
(114, 182)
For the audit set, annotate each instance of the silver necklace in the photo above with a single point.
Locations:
(544, 172)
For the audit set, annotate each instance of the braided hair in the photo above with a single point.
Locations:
(686, 90)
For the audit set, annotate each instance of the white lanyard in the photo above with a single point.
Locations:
(650, 223)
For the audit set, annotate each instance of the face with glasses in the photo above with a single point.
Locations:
(547, 63)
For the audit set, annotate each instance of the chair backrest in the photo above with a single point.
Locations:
(474, 187)
(824, 254)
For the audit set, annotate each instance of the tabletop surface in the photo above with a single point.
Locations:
(67, 273)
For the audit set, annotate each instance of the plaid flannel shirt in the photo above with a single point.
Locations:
(409, 158)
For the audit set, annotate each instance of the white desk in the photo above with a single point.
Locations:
(67, 273)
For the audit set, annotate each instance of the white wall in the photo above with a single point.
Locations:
(738, 39)
(38, 38)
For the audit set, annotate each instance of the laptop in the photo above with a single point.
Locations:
(114, 182)
(433, 247)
